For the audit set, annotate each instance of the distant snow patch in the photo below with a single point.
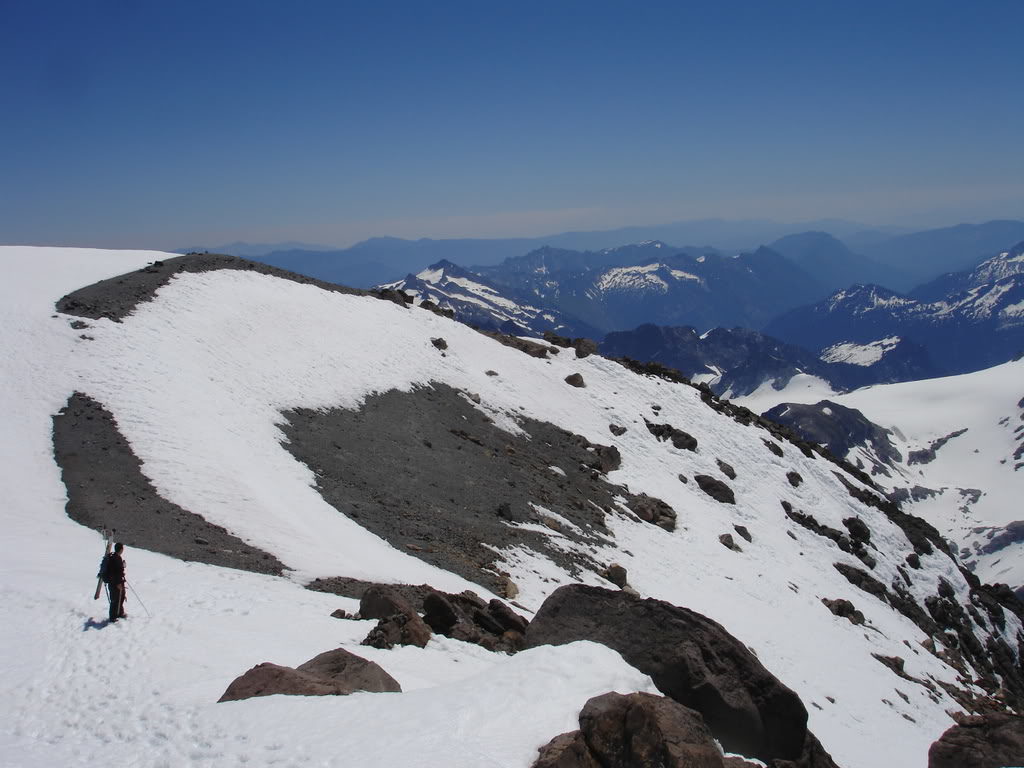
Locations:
(859, 354)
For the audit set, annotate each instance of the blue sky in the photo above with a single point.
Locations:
(167, 124)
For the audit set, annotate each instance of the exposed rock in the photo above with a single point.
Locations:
(532, 348)
(107, 489)
(400, 629)
(858, 529)
(729, 543)
(617, 429)
(379, 602)
(267, 679)
(353, 671)
(742, 531)
(680, 439)
(616, 574)
(575, 380)
(584, 347)
(568, 750)
(468, 618)
(690, 658)
(845, 609)
(340, 614)
(652, 510)
(985, 741)
(439, 343)
(646, 730)
(439, 614)
(794, 478)
(927, 455)
(727, 470)
(715, 488)
(774, 447)
(609, 458)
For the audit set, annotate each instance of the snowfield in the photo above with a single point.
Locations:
(987, 405)
(197, 380)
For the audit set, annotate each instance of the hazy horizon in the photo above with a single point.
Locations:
(137, 125)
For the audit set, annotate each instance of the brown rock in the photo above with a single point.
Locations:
(569, 750)
(353, 672)
(984, 741)
(268, 679)
(379, 602)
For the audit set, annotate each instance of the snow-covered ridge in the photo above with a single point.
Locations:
(859, 354)
(197, 380)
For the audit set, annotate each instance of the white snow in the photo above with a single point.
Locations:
(859, 354)
(196, 380)
(639, 278)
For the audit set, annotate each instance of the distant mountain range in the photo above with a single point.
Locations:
(834, 251)
(621, 288)
(737, 362)
(966, 321)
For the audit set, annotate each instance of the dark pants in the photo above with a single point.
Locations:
(116, 592)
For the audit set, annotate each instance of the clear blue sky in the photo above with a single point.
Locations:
(171, 124)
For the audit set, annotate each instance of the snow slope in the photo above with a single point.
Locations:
(196, 380)
(987, 405)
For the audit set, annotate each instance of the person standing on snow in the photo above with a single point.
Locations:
(112, 573)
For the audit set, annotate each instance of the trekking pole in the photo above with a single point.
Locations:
(148, 614)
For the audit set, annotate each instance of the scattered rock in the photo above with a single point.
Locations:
(617, 429)
(727, 470)
(439, 614)
(981, 741)
(352, 671)
(400, 629)
(845, 609)
(439, 343)
(690, 658)
(334, 673)
(742, 531)
(729, 543)
(794, 478)
(680, 439)
(858, 529)
(774, 447)
(716, 489)
(340, 614)
(682, 478)
(268, 679)
(652, 510)
(575, 380)
(568, 750)
(616, 574)
(380, 602)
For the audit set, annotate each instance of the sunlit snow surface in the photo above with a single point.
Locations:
(196, 380)
(985, 403)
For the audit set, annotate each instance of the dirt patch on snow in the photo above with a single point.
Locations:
(108, 491)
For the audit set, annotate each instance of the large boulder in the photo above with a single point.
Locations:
(334, 673)
(267, 679)
(638, 729)
(691, 659)
(380, 602)
(353, 671)
(982, 741)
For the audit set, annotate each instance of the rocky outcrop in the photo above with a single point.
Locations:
(334, 673)
(398, 624)
(982, 741)
(690, 658)
(467, 617)
(716, 489)
(626, 731)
